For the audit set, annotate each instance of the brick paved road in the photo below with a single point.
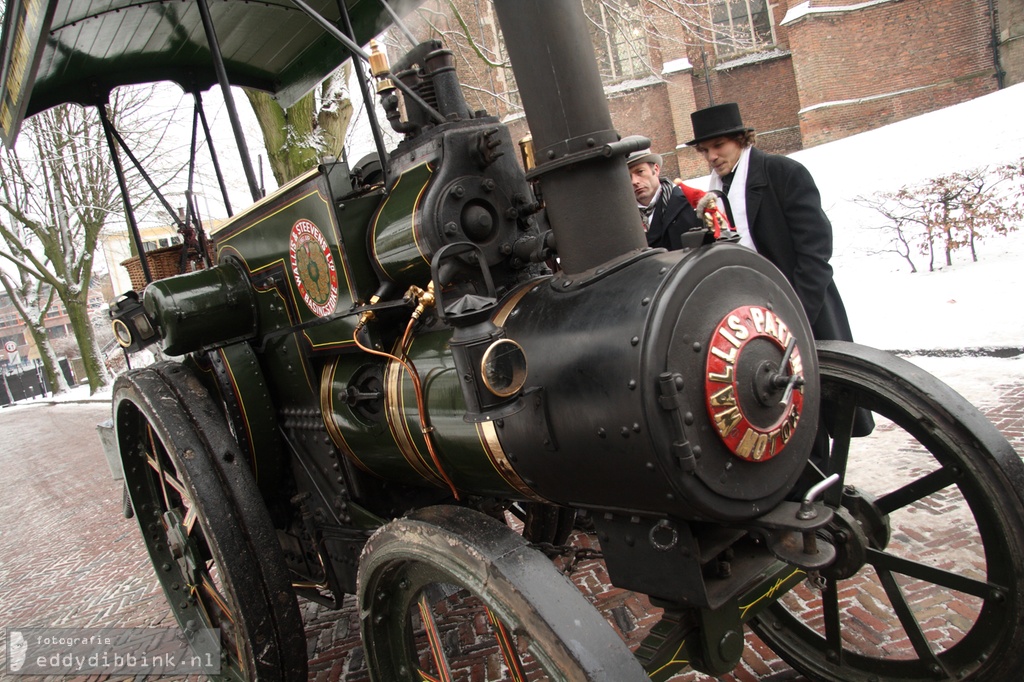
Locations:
(69, 559)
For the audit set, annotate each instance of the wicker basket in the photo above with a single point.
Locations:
(164, 262)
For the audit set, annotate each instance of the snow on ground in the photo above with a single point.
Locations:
(966, 305)
(970, 305)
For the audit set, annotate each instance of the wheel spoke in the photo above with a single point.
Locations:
(434, 639)
(176, 485)
(883, 561)
(508, 649)
(833, 628)
(473, 569)
(216, 613)
(448, 599)
(917, 490)
(155, 461)
(189, 521)
(202, 525)
(838, 460)
(211, 592)
(909, 621)
(931, 504)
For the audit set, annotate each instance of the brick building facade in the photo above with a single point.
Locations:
(804, 72)
(16, 342)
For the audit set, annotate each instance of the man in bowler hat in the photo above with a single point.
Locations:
(775, 207)
(666, 213)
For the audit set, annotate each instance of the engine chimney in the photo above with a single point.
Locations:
(590, 202)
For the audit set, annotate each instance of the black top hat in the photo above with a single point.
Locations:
(721, 119)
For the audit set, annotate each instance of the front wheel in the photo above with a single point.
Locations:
(447, 587)
(929, 529)
(206, 527)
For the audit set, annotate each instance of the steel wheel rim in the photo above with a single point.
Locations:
(420, 594)
(175, 533)
(822, 651)
(534, 620)
(214, 548)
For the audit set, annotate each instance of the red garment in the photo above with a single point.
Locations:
(706, 207)
(692, 194)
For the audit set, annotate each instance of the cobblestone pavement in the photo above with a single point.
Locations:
(68, 558)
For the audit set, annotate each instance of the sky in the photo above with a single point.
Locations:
(169, 97)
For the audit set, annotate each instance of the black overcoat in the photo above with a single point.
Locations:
(669, 222)
(790, 229)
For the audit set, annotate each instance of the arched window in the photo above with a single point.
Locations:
(741, 25)
(619, 32)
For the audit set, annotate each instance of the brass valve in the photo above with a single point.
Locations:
(424, 299)
(368, 315)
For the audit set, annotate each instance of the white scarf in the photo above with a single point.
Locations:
(737, 196)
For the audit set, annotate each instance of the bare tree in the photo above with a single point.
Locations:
(628, 38)
(57, 192)
(33, 305)
(626, 35)
(900, 224)
(952, 212)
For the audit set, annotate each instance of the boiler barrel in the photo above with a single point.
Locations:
(649, 389)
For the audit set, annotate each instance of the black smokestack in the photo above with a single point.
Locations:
(585, 182)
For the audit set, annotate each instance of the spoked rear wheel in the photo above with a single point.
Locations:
(449, 589)
(205, 526)
(929, 532)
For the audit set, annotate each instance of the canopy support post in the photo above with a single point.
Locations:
(115, 158)
(213, 152)
(357, 51)
(229, 100)
(378, 139)
(182, 225)
(145, 176)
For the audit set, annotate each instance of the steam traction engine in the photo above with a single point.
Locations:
(392, 357)
(370, 352)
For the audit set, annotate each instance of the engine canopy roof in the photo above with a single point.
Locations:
(61, 51)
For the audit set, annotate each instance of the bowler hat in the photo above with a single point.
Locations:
(641, 155)
(715, 121)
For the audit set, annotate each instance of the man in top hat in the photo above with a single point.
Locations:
(775, 207)
(666, 213)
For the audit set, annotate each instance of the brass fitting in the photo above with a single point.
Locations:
(379, 67)
(368, 315)
(424, 299)
(378, 61)
(526, 151)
